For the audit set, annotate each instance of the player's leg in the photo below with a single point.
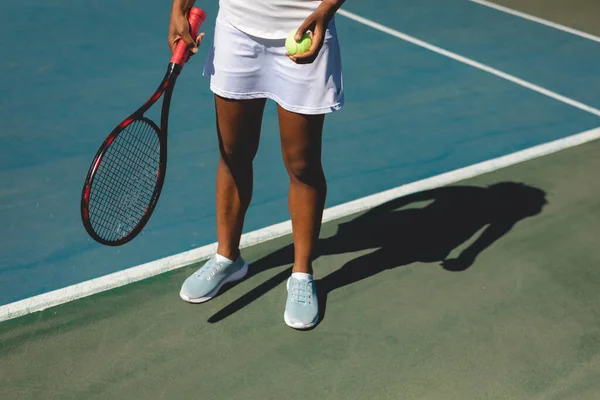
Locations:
(307, 92)
(301, 149)
(238, 129)
(234, 64)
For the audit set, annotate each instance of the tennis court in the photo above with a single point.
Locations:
(458, 260)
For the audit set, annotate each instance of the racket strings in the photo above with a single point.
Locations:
(123, 174)
(121, 213)
(124, 184)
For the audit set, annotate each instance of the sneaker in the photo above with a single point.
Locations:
(205, 283)
(301, 307)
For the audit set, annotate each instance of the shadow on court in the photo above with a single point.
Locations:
(423, 227)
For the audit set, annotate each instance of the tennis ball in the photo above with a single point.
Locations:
(300, 47)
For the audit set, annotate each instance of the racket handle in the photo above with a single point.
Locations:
(182, 53)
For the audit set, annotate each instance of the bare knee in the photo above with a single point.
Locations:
(304, 170)
(238, 130)
(236, 156)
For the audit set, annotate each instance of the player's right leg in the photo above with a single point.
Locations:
(238, 130)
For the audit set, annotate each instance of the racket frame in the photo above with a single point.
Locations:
(165, 90)
(180, 56)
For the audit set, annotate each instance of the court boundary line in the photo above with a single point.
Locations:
(188, 258)
(468, 61)
(539, 20)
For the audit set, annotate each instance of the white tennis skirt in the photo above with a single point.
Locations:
(246, 67)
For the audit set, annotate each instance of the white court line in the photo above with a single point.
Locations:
(470, 62)
(537, 19)
(121, 278)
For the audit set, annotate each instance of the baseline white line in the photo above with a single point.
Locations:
(134, 274)
(470, 62)
(537, 19)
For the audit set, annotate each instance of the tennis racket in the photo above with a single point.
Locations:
(126, 176)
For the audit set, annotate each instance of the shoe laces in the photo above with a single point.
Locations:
(209, 270)
(302, 291)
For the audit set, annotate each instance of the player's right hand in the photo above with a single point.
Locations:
(179, 29)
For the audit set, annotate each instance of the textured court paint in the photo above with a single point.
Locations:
(521, 323)
(410, 114)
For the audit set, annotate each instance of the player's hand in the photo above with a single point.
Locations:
(316, 24)
(179, 29)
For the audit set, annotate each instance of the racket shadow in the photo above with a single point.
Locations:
(402, 232)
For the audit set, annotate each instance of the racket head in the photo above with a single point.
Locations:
(126, 177)
(124, 182)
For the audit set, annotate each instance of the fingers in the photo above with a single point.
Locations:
(199, 39)
(197, 42)
(189, 41)
(303, 28)
(310, 55)
(179, 30)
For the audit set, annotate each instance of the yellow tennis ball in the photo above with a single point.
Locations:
(300, 47)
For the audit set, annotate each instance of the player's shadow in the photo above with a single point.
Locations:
(422, 227)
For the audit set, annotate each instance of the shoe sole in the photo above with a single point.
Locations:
(298, 325)
(232, 278)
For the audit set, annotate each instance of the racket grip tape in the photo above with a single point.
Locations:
(182, 53)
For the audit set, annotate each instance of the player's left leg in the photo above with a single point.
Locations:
(301, 149)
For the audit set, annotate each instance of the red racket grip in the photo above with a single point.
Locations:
(182, 53)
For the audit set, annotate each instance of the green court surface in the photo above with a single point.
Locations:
(483, 289)
(521, 322)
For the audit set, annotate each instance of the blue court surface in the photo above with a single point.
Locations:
(459, 254)
(71, 70)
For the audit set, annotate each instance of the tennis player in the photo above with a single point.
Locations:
(248, 64)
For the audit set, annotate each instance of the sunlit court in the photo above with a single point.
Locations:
(458, 253)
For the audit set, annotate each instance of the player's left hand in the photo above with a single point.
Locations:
(316, 24)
